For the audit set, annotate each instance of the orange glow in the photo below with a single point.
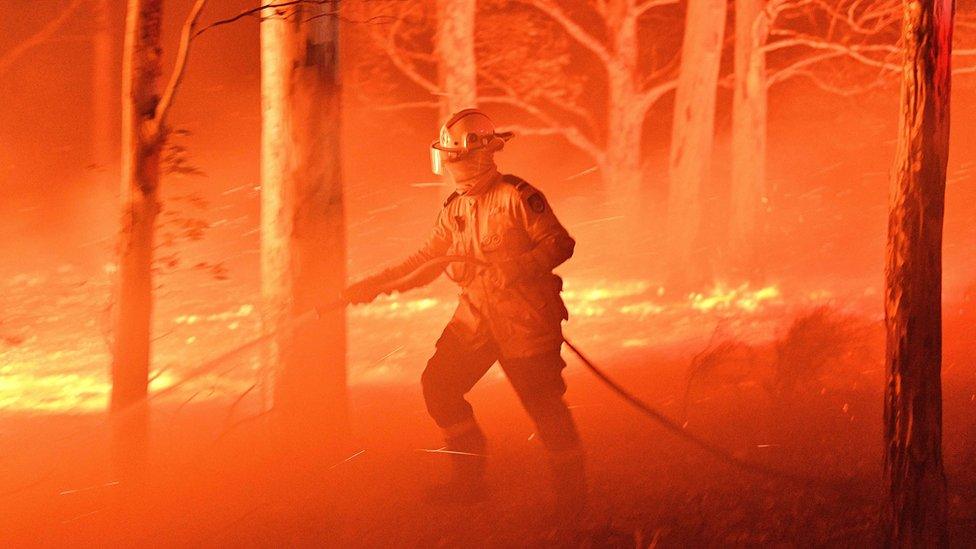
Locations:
(773, 352)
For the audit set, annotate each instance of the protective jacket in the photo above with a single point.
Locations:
(510, 226)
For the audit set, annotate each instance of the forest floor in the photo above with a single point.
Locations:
(808, 402)
(777, 376)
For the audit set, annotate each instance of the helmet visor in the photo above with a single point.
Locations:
(439, 156)
(436, 161)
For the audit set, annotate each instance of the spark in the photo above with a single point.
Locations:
(600, 220)
(234, 190)
(88, 488)
(350, 458)
(582, 173)
(452, 452)
(386, 356)
(427, 184)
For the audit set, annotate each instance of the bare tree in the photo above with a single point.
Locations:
(844, 47)
(524, 53)
(144, 132)
(303, 254)
(692, 137)
(917, 508)
(631, 92)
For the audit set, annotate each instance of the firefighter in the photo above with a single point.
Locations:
(510, 309)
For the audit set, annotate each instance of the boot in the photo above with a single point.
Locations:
(467, 482)
(569, 485)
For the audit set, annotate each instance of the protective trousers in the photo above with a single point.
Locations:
(457, 365)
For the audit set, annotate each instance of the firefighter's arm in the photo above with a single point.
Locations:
(385, 281)
(551, 243)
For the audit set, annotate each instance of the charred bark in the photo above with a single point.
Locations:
(916, 511)
(303, 256)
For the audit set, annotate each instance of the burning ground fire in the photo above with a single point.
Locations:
(54, 357)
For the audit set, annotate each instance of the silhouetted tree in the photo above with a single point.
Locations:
(144, 132)
(914, 474)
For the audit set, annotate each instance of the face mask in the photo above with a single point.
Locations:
(472, 169)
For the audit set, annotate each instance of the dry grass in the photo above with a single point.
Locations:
(814, 343)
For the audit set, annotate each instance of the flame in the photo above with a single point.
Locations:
(63, 369)
(723, 298)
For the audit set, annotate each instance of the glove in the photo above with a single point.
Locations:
(505, 273)
(362, 291)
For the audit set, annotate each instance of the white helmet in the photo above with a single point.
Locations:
(466, 131)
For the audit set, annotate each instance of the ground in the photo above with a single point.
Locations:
(218, 478)
(776, 377)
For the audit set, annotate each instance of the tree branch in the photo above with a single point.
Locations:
(179, 69)
(573, 29)
(41, 36)
(651, 96)
(854, 51)
(569, 132)
(393, 52)
(837, 90)
(790, 71)
(256, 12)
(651, 4)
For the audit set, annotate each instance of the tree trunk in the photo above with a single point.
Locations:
(625, 120)
(914, 474)
(132, 309)
(749, 194)
(140, 203)
(457, 67)
(303, 258)
(691, 139)
(104, 98)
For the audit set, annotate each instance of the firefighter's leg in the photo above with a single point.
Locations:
(540, 386)
(453, 370)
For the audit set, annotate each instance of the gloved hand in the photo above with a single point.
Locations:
(506, 272)
(362, 291)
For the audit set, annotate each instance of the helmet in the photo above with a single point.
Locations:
(466, 131)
